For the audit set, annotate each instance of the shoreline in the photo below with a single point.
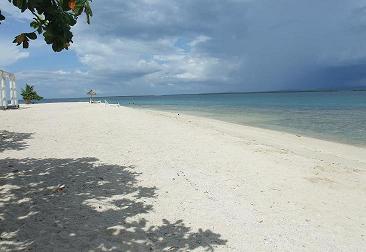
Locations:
(281, 130)
(337, 117)
(302, 134)
(247, 127)
(140, 180)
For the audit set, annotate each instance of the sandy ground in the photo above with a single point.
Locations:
(138, 180)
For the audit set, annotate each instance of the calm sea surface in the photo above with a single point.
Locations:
(337, 116)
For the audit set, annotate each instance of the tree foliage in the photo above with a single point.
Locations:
(1, 17)
(29, 94)
(53, 19)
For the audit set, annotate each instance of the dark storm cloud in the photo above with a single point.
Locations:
(171, 46)
(154, 19)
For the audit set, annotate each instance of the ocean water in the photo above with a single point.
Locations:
(337, 116)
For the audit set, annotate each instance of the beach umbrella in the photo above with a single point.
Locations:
(91, 93)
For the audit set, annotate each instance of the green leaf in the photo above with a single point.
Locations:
(34, 24)
(1, 17)
(19, 3)
(19, 39)
(52, 18)
(26, 43)
(31, 35)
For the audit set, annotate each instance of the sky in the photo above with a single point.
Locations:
(154, 47)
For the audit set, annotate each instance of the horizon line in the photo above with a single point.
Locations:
(228, 92)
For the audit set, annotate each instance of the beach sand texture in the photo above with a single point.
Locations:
(85, 177)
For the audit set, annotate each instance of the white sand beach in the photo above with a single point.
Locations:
(140, 180)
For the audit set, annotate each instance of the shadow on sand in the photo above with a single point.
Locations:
(13, 140)
(99, 209)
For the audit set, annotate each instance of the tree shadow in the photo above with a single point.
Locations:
(100, 208)
(13, 140)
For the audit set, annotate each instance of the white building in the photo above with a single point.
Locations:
(9, 78)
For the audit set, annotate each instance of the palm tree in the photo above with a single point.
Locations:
(29, 94)
(91, 93)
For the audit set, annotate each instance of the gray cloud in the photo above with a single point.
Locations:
(171, 46)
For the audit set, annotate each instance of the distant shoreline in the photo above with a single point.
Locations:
(223, 93)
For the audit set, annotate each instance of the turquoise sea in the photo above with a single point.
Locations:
(337, 116)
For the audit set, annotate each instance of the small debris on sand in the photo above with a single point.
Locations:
(60, 188)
